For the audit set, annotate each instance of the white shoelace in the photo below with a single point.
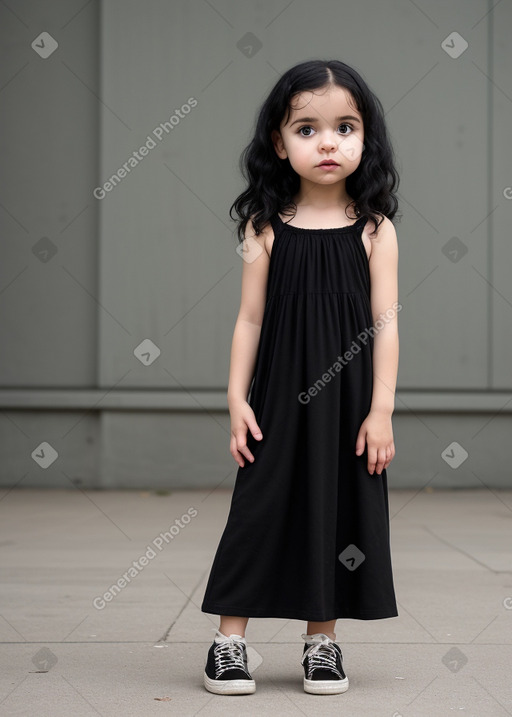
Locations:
(229, 655)
(321, 655)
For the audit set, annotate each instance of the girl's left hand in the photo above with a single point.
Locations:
(377, 431)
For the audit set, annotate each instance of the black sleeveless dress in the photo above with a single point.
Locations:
(307, 535)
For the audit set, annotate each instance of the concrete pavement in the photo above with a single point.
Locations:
(72, 645)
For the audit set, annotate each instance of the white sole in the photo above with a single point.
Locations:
(325, 687)
(229, 687)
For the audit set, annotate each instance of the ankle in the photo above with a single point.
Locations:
(331, 635)
(228, 633)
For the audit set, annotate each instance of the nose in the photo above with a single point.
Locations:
(328, 142)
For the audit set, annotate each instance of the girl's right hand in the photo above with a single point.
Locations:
(242, 419)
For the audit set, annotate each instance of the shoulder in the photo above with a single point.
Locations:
(383, 262)
(376, 240)
(264, 239)
(384, 238)
(385, 229)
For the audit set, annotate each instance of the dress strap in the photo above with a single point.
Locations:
(276, 223)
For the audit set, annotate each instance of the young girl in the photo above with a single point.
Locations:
(307, 535)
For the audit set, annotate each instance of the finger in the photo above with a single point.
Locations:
(381, 453)
(381, 457)
(242, 447)
(360, 444)
(247, 453)
(255, 429)
(234, 452)
(389, 457)
(392, 452)
(372, 460)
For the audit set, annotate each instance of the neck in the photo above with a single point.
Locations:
(322, 196)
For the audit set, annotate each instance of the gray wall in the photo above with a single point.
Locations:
(85, 280)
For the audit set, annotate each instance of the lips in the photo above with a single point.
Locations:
(328, 162)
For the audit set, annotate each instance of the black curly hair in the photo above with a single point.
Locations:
(273, 183)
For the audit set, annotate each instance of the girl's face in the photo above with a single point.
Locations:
(323, 125)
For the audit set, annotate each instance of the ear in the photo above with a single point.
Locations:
(278, 144)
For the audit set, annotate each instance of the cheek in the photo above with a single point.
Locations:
(352, 147)
(298, 148)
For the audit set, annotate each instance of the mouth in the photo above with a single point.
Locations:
(328, 163)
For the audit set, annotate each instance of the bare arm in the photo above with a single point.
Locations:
(244, 347)
(384, 298)
(377, 430)
(246, 336)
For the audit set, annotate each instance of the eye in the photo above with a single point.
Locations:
(347, 125)
(308, 127)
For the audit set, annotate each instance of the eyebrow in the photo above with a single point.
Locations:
(314, 119)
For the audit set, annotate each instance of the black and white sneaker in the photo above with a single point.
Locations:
(322, 662)
(226, 671)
